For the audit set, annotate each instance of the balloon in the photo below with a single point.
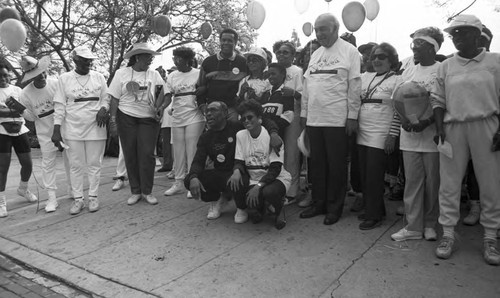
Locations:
(301, 6)
(307, 28)
(9, 13)
(372, 7)
(353, 15)
(411, 102)
(12, 34)
(161, 25)
(206, 30)
(256, 14)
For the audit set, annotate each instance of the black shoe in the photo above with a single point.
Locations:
(330, 219)
(163, 169)
(370, 224)
(311, 212)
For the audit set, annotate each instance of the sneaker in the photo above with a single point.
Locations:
(175, 189)
(171, 175)
(289, 200)
(430, 234)
(150, 199)
(490, 253)
(133, 199)
(445, 248)
(189, 195)
(306, 202)
(241, 216)
(77, 206)
(215, 208)
(404, 234)
(51, 205)
(119, 184)
(473, 217)
(27, 194)
(3, 206)
(93, 204)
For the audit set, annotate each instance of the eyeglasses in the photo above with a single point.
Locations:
(283, 52)
(247, 118)
(379, 56)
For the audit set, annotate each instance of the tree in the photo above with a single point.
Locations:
(111, 27)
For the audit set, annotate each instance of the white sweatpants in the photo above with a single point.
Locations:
(470, 140)
(49, 156)
(85, 155)
(184, 140)
(121, 169)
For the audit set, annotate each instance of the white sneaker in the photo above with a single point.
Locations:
(404, 234)
(77, 206)
(27, 194)
(213, 211)
(51, 205)
(189, 195)
(175, 189)
(93, 204)
(150, 199)
(3, 206)
(133, 199)
(119, 184)
(241, 216)
(430, 234)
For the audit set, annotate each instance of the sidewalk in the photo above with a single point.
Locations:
(172, 250)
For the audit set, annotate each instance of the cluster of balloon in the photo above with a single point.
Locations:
(307, 28)
(12, 31)
(206, 30)
(256, 14)
(301, 6)
(353, 15)
(161, 25)
(372, 8)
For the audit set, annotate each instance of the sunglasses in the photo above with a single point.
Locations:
(247, 118)
(379, 56)
(283, 52)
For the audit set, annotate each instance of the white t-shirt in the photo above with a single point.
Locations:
(139, 105)
(293, 80)
(39, 105)
(76, 103)
(259, 85)
(5, 93)
(258, 156)
(375, 118)
(182, 86)
(324, 100)
(420, 141)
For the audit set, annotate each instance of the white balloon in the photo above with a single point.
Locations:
(372, 8)
(301, 6)
(256, 14)
(353, 15)
(12, 34)
(307, 28)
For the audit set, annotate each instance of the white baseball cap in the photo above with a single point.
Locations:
(464, 20)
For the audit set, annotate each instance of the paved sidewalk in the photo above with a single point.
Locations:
(172, 250)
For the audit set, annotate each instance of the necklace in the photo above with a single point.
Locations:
(86, 82)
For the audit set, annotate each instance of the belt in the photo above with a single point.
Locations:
(185, 93)
(46, 114)
(371, 100)
(86, 99)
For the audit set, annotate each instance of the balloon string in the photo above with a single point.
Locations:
(453, 16)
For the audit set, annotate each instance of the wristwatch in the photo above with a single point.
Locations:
(260, 184)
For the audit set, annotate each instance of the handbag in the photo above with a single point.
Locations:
(12, 126)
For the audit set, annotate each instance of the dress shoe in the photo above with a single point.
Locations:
(311, 212)
(330, 219)
(370, 224)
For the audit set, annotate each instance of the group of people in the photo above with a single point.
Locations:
(236, 121)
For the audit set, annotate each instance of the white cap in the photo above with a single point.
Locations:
(257, 52)
(84, 52)
(465, 20)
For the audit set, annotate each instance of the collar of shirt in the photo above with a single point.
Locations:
(279, 89)
(464, 61)
(219, 56)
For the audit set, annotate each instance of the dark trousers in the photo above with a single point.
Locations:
(373, 163)
(328, 167)
(138, 137)
(166, 133)
(355, 175)
(472, 185)
(215, 182)
(272, 193)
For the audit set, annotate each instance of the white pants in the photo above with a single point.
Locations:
(421, 189)
(85, 154)
(121, 169)
(470, 140)
(292, 152)
(49, 156)
(184, 140)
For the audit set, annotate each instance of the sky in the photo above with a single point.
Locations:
(396, 20)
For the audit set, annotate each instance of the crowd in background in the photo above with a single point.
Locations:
(244, 128)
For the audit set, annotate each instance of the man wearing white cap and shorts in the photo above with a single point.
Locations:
(465, 100)
(81, 107)
(38, 98)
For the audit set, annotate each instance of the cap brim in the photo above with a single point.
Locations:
(451, 28)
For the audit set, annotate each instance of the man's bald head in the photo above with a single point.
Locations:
(326, 27)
